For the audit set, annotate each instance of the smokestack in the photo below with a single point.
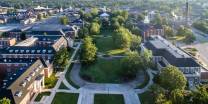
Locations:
(187, 12)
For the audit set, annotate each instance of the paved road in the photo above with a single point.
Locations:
(201, 45)
(202, 52)
(200, 36)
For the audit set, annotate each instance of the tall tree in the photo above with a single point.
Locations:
(172, 78)
(122, 39)
(146, 56)
(88, 52)
(135, 42)
(61, 59)
(131, 64)
(95, 28)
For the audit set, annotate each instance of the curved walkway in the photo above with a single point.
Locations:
(126, 89)
(87, 90)
(75, 77)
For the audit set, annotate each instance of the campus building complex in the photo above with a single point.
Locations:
(166, 54)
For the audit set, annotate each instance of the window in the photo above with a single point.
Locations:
(18, 93)
(49, 51)
(40, 66)
(22, 51)
(38, 51)
(23, 83)
(32, 73)
(10, 51)
(27, 51)
(44, 51)
(28, 78)
(33, 51)
(16, 51)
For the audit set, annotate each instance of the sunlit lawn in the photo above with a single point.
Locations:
(39, 97)
(108, 99)
(65, 98)
(178, 38)
(106, 45)
(102, 71)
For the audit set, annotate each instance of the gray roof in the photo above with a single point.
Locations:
(27, 50)
(174, 55)
(31, 72)
(160, 43)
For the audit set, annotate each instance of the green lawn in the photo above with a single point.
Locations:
(106, 45)
(65, 98)
(62, 86)
(108, 99)
(146, 98)
(39, 97)
(102, 71)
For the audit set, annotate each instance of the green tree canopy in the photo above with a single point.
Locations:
(177, 96)
(187, 33)
(131, 64)
(95, 28)
(94, 11)
(140, 17)
(5, 101)
(124, 14)
(135, 42)
(83, 32)
(40, 16)
(146, 56)
(61, 59)
(200, 96)
(88, 16)
(168, 31)
(64, 20)
(172, 78)
(89, 50)
(122, 38)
